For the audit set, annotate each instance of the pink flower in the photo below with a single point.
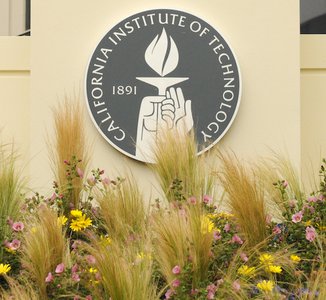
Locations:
(75, 277)
(312, 199)
(207, 199)
(14, 245)
(176, 270)
(192, 200)
(91, 259)
(310, 233)
(53, 197)
(169, 293)
(236, 285)
(10, 221)
(106, 181)
(293, 203)
(227, 227)
(76, 298)
(244, 257)
(277, 230)
(176, 283)
(194, 292)
(60, 268)
(17, 226)
(285, 183)
(80, 172)
(49, 278)
(217, 235)
(210, 295)
(321, 198)
(211, 288)
(89, 297)
(74, 268)
(237, 240)
(296, 218)
(268, 219)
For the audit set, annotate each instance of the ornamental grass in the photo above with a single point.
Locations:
(66, 144)
(11, 187)
(44, 247)
(98, 241)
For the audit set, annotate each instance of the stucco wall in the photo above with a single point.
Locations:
(64, 34)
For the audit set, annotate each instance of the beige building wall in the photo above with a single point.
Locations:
(15, 95)
(264, 38)
(66, 32)
(313, 105)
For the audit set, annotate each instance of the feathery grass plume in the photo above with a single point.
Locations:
(126, 271)
(245, 198)
(316, 285)
(171, 241)
(11, 186)
(67, 143)
(180, 236)
(201, 230)
(176, 160)
(122, 210)
(44, 247)
(19, 291)
(277, 168)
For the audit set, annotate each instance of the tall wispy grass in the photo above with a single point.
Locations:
(11, 185)
(44, 247)
(18, 291)
(181, 236)
(67, 142)
(122, 210)
(176, 159)
(126, 271)
(245, 197)
(279, 167)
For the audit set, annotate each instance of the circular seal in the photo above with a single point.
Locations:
(158, 69)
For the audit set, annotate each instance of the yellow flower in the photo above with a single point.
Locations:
(80, 223)
(92, 270)
(246, 271)
(266, 286)
(225, 215)
(62, 220)
(141, 255)
(266, 259)
(106, 241)
(84, 222)
(207, 226)
(295, 258)
(308, 223)
(75, 225)
(76, 213)
(4, 269)
(274, 269)
(212, 216)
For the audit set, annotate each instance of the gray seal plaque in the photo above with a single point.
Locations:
(158, 69)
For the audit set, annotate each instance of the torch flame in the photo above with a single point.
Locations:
(162, 54)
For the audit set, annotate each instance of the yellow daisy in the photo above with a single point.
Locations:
(274, 269)
(295, 258)
(62, 220)
(266, 259)
(4, 268)
(246, 271)
(76, 213)
(266, 285)
(207, 226)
